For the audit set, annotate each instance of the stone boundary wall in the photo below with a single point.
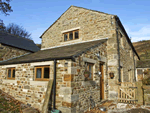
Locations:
(7, 52)
(146, 90)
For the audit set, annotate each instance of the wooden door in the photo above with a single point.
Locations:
(101, 82)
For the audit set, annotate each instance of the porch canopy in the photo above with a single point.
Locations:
(64, 52)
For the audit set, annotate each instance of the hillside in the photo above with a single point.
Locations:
(143, 50)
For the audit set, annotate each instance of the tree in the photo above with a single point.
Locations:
(5, 7)
(17, 30)
(2, 26)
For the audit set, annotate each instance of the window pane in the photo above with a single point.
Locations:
(38, 72)
(76, 35)
(13, 73)
(46, 72)
(90, 70)
(9, 73)
(71, 35)
(65, 37)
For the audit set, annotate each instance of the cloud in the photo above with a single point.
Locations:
(137, 34)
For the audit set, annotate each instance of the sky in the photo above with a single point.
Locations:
(37, 15)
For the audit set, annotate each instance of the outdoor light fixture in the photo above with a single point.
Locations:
(111, 75)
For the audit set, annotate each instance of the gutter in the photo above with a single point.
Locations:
(38, 60)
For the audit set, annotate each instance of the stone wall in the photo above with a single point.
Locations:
(95, 25)
(84, 94)
(91, 25)
(73, 93)
(146, 91)
(7, 52)
(24, 88)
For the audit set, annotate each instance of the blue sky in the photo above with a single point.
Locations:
(37, 15)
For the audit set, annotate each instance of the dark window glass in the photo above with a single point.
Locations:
(71, 36)
(38, 72)
(90, 70)
(46, 72)
(13, 73)
(9, 73)
(65, 37)
(76, 35)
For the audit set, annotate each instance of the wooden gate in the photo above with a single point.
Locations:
(127, 93)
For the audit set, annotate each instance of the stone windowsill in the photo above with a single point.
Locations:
(9, 81)
(39, 83)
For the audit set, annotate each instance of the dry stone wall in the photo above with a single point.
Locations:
(8, 52)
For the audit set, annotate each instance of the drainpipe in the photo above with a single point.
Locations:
(54, 85)
(119, 77)
(54, 90)
(134, 80)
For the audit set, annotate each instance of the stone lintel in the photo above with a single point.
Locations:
(102, 59)
(89, 60)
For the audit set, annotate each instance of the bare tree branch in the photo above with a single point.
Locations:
(5, 7)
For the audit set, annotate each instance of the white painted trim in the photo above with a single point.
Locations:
(73, 43)
(70, 30)
(42, 63)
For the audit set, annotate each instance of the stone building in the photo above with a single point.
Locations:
(12, 46)
(80, 40)
(142, 69)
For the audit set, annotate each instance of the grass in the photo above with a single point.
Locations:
(9, 104)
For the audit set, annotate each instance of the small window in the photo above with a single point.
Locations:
(11, 73)
(72, 35)
(42, 73)
(90, 69)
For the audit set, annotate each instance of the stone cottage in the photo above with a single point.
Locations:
(12, 46)
(79, 41)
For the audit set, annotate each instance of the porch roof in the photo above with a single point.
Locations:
(58, 53)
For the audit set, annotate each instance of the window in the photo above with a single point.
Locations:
(90, 69)
(42, 73)
(11, 73)
(72, 35)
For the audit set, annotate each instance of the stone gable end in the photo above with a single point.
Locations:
(91, 25)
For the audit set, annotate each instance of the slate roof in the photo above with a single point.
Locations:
(18, 42)
(64, 52)
(143, 64)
